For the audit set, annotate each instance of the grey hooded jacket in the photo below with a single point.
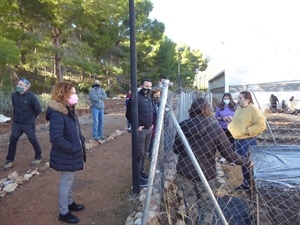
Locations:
(97, 97)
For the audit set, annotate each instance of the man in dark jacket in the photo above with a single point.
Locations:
(205, 137)
(145, 115)
(26, 108)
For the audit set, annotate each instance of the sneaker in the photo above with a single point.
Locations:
(76, 207)
(143, 182)
(145, 176)
(129, 129)
(8, 165)
(242, 187)
(68, 218)
(36, 162)
(97, 139)
(102, 138)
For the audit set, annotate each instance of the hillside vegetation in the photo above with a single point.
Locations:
(82, 40)
(41, 85)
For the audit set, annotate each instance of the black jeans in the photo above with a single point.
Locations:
(16, 132)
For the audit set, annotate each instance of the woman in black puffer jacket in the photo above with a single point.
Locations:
(68, 146)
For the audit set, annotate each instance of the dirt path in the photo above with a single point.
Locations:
(103, 186)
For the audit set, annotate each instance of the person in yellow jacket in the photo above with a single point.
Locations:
(246, 124)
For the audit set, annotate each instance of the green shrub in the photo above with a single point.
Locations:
(43, 99)
(114, 90)
(5, 103)
(83, 101)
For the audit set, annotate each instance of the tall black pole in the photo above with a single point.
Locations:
(134, 102)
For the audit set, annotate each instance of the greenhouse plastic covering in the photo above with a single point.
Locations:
(276, 176)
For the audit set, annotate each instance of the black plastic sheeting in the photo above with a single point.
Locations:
(237, 211)
(276, 175)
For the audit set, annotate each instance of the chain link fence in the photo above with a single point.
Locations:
(274, 195)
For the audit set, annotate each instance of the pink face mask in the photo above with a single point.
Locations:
(73, 100)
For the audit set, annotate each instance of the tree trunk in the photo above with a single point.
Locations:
(57, 57)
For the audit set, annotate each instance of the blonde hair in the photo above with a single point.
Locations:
(60, 91)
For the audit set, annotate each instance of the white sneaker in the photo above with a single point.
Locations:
(36, 162)
(8, 165)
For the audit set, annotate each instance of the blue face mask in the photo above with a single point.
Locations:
(226, 102)
(20, 89)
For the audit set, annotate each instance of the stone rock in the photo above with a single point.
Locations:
(10, 187)
(13, 175)
(7, 182)
(180, 222)
(2, 181)
(27, 176)
(181, 209)
(138, 221)
(221, 181)
(130, 219)
(20, 180)
(2, 194)
(220, 173)
(89, 145)
(222, 193)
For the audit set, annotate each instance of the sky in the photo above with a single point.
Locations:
(260, 38)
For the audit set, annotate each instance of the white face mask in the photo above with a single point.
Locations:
(226, 101)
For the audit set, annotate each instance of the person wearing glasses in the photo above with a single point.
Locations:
(26, 107)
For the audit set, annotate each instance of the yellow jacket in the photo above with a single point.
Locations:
(247, 122)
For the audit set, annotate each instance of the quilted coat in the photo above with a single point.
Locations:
(68, 144)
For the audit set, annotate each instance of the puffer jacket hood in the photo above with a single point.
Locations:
(57, 106)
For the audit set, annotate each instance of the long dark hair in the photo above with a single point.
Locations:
(232, 105)
(200, 107)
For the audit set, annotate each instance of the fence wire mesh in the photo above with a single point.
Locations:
(187, 186)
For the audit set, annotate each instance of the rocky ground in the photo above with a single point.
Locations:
(103, 186)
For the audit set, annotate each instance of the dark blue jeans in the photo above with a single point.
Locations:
(98, 120)
(241, 147)
(16, 132)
